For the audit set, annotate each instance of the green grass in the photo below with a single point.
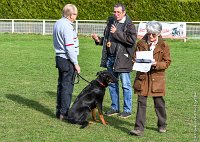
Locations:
(28, 94)
(188, 0)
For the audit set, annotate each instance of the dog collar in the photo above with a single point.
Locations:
(101, 83)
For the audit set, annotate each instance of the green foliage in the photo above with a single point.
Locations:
(138, 10)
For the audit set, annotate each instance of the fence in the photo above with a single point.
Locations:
(83, 27)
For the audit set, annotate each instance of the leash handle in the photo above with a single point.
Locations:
(78, 76)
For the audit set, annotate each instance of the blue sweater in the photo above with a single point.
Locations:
(66, 43)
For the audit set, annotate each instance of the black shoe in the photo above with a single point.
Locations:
(124, 114)
(57, 114)
(136, 132)
(111, 112)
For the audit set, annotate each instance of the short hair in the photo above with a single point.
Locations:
(154, 27)
(120, 5)
(68, 10)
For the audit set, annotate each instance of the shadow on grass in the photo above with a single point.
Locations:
(31, 104)
(152, 128)
(54, 94)
(119, 123)
(113, 121)
(51, 93)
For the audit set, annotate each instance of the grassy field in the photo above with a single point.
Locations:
(28, 80)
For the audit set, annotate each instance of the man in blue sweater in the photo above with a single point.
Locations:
(66, 45)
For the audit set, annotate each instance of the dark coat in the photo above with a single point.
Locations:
(152, 83)
(125, 40)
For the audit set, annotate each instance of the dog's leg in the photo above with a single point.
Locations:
(101, 116)
(94, 115)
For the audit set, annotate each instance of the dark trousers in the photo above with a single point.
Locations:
(65, 85)
(159, 105)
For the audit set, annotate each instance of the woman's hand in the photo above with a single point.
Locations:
(154, 63)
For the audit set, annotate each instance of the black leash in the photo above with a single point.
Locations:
(78, 76)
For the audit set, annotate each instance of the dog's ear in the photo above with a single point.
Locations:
(100, 72)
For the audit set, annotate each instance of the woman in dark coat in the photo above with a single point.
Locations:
(152, 83)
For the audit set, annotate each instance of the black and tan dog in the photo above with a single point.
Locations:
(89, 99)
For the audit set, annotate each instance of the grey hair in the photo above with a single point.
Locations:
(68, 10)
(120, 5)
(154, 27)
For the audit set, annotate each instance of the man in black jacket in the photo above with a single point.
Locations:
(118, 45)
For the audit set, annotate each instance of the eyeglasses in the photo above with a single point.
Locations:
(117, 12)
(153, 35)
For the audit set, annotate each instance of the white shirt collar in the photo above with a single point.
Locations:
(155, 42)
(153, 45)
(123, 20)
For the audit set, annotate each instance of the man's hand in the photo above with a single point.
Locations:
(95, 37)
(113, 29)
(77, 68)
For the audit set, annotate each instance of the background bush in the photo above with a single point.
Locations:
(138, 10)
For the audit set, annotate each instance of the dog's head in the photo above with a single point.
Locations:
(106, 77)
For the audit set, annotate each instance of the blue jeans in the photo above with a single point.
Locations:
(114, 88)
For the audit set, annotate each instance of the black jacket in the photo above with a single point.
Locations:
(125, 39)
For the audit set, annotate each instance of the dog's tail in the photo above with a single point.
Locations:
(84, 124)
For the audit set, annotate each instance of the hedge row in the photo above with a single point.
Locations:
(138, 10)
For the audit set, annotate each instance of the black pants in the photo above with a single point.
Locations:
(159, 105)
(65, 86)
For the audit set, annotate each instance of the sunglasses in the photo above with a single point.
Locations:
(153, 35)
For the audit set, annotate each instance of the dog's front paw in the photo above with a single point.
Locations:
(106, 122)
(96, 120)
(91, 122)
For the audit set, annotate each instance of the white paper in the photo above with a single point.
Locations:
(143, 67)
(144, 55)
